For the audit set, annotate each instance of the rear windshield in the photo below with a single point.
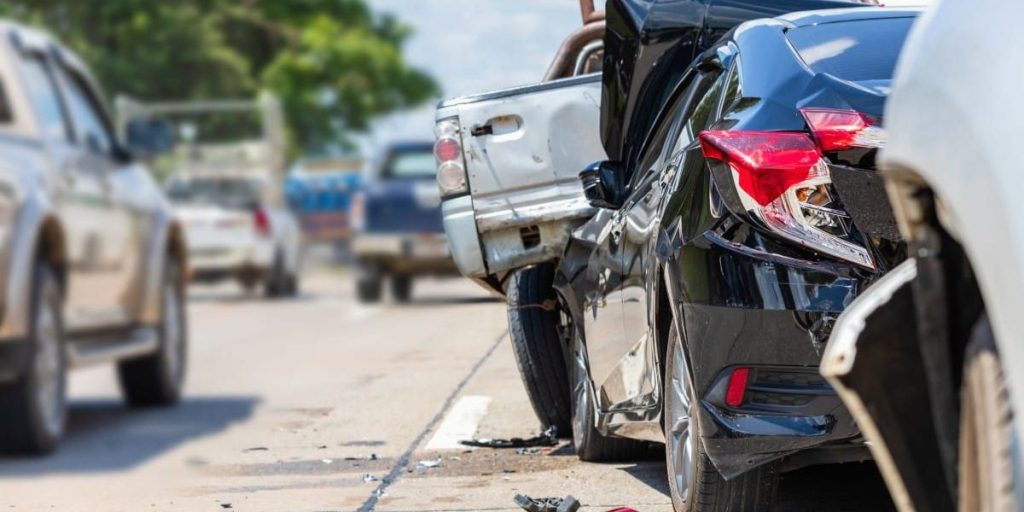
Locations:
(411, 165)
(225, 192)
(857, 51)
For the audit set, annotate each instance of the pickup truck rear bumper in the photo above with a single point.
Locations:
(495, 242)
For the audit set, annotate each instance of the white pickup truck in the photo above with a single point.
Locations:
(508, 170)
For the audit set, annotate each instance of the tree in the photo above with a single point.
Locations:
(334, 63)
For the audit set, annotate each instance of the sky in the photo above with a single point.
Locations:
(473, 46)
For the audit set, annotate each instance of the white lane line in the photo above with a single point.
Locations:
(460, 423)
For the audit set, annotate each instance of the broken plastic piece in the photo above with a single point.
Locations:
(566, 504)
(547, 438)
(430, 463)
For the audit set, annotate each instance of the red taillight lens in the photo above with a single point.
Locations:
(837, 130)
(261, 220)
(768, 163)
(737, 387)
(447, 150)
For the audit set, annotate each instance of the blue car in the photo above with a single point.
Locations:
(399, 234)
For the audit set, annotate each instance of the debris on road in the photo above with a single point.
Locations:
(225, 505)
(367, 478)
(327, 461)
(529, 451)
(547, 438)
(431, 463)
(256, 449)
(566, 504)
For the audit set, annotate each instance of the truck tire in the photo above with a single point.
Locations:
(986, 427)
(694, 483)
(401, 288)
(35, 406)
(533, 324)
(276, 284)
(368, 283)
(157, 379)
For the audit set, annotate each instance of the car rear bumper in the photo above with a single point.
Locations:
(407, 253)
(774, 318)
(226, 258)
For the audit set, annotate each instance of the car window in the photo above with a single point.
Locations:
(859, 50)
(45, 100)
(702, 111)
(411, 165)
(733, 88)
(6, 116)
(226, 192)
(89, 122)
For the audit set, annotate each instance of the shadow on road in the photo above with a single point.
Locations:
(106, 435)
(449, 301)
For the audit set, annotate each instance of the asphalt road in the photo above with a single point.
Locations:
(321, 404)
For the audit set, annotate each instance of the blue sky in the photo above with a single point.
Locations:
(473, 46)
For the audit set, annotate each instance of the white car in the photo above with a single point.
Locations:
(234, 233)
(930, 361)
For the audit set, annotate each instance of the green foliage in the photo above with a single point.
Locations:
(334, 63)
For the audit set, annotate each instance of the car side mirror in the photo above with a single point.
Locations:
(602, 184)
(146, 138)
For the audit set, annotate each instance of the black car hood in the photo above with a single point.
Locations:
(648, 46)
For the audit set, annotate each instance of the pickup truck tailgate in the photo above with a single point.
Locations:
(524, 149)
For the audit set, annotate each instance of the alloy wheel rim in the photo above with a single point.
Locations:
(172, 339)
(682, 442)
(48, 370)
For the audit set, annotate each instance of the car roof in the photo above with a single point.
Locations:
(823, 16)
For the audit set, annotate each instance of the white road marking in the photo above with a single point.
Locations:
(460, 423)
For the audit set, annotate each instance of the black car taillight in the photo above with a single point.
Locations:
(783, 179)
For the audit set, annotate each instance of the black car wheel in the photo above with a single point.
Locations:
(35, 406)
(694, 483)
(157, 379)
(590, 444)
(401, 288)
(276, 284)
(534, 329)
(986, 428)
(368, 282)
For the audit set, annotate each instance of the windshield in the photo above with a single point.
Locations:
(857, 51)
(226, 192)
(411, 165)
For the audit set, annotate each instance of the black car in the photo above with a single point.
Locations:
(733, 231)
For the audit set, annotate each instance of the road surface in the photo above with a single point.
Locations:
(322, 404)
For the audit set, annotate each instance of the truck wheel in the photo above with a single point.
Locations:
(591, 445)
(534, 329)
(368, 283)
(35, 406)
(694, 483)
(401, 288)
(157, 379)
(986, 427)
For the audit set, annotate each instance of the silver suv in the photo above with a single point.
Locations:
(91, 260)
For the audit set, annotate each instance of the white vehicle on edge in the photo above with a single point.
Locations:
(235, 232)
(931, 359)
(92, 261)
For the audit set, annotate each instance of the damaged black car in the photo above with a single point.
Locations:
(739, 214)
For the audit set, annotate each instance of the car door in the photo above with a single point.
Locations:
(637, 371)
(102, 248)
(617, 365)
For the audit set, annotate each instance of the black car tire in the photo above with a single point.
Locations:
(533, 324)
(276, 284)
(986, 427)
(157, 379)
(27, 426)
(369, 284)
(752, 491)
(590, 444)
(401, 288)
